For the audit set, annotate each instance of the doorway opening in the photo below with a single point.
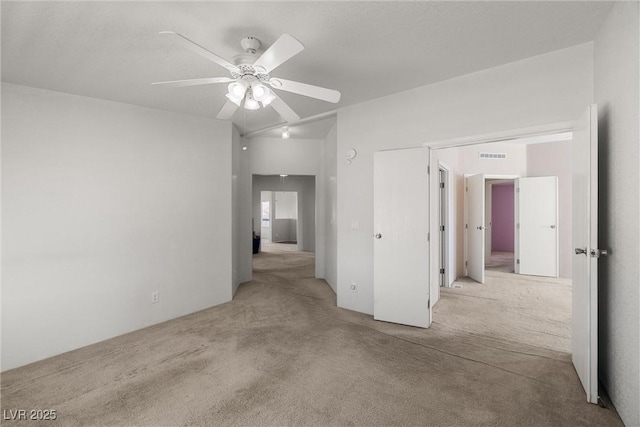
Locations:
(279, 217)
(500, 235)
(284, 215)
(505, 298)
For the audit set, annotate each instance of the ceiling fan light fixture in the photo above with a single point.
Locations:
(259, 92)
(285, 133)
(238, 89)
(250, 103)
(266, 99)
(234, 99)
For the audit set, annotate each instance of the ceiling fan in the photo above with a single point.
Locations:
(250, 83)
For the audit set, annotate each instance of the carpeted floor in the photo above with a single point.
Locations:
(282, 353)
(500, 261)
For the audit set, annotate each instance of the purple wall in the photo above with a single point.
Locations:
(502, 217)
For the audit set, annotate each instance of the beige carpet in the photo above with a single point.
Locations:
(281, 353)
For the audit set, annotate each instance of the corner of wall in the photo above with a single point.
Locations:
(617, 94)
(241, 214)
(330, 207)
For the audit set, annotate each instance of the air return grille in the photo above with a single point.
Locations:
(492, 155)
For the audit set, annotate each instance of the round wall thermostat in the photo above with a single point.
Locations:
(351, 154)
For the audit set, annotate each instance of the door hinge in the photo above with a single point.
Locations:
(428, 303)
(466, 226)
(442, 271)
(442, 228)
(466, 263)
(518, 261)
(428, 170)
(518, 190)
(442, 185)
(428, 237)
(466, 189)
(518, 225)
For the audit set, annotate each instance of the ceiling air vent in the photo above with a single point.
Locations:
(492, 155)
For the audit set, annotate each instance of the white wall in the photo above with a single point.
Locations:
(554, 159)
(616, 81)
(545, 89)
(104, 203)
(285, 230)
(329, 222)
(286, 204)
(274, 156)
(286, 219)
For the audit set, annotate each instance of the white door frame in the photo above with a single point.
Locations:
(487, 177)
(319, 204)
(552, 128)
(445, 209)
(489, 200)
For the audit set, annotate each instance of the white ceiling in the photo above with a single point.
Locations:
(112, 50)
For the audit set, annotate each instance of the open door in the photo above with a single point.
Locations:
(584, 331)
(537, 226)
(401, 239)
(475, 226)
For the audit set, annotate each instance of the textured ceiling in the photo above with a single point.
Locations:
(112, 50)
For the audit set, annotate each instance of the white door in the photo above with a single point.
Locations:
(475, 227)
(584, 331)
(537, 226)
(401, 246)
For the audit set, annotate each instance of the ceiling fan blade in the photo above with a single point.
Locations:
(284, 110)
(195, 47)
(281, 50)
(195, 82)
(317, 92)
(227, 111)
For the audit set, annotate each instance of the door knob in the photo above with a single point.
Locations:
(378, 236)
(480, 228)
(581, 251)
(597, 253)
(553, 226)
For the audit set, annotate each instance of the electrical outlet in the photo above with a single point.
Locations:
(353, 287)
(155, 297)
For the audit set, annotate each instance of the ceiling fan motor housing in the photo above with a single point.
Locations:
(244, 61)
(250, 44)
